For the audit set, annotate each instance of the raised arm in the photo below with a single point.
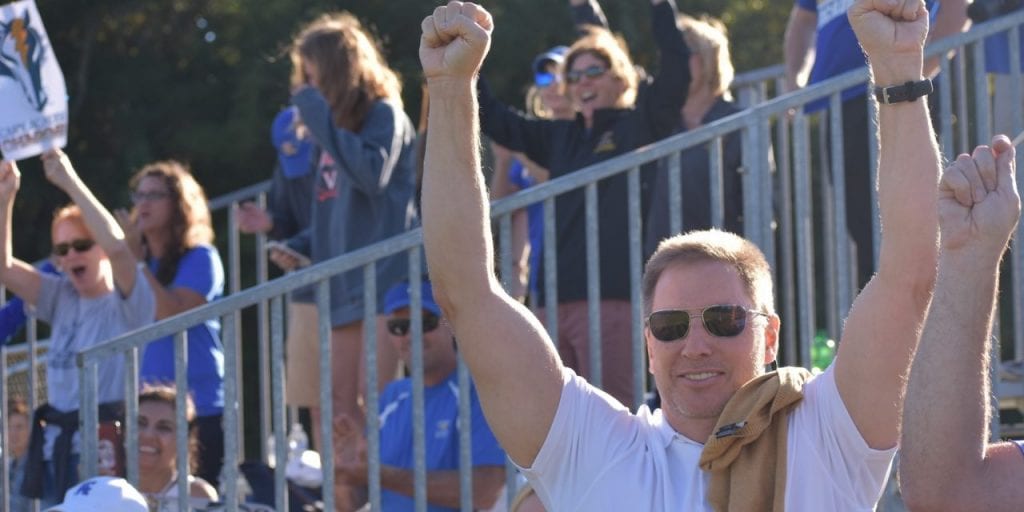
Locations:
(946, 462)
(586, 13)
(798, 46)
(100, 222)
(517, 372)
(885, 321)
(15, 274)
(667, 93)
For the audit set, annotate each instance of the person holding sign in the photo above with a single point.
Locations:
(100, 294)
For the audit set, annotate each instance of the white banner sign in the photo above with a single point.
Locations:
(33, 99)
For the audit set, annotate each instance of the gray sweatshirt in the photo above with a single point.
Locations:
(363, 193)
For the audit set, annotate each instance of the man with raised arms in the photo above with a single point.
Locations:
(728, 435)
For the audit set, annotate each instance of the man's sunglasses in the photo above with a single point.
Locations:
(722, 320)
(590, 72)
(400, 326)
(78, 244)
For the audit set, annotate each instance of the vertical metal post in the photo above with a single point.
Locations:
(675, 193)
(262, 315)
(505, 259)
(465, 439)
(593, 285)
(180, 415)
(232, 446)
(1016, 255)
(982, 107)
(804, 233)
(234, 286)
(787, 281)
(842, 247)
(131, 414)
(635, 273)
(323, 307)
(88, 417)
(419, 446)
(5, 455)
(551, 269)
(372, 396)
(716, 183)
(277, 402)
(960, 67)
(946, 104)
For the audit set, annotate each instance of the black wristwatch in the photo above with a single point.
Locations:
(909, 91)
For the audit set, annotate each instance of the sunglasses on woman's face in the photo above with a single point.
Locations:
(400, 326)
(721, 320)
(590, 72)
(78, 244)
(139, 197)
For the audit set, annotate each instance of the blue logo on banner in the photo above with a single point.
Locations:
(21, 58)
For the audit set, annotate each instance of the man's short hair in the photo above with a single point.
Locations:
(706, 37)
(713, 246)
(611, 50)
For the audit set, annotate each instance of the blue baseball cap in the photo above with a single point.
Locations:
(294, 153)
(541, 76)
(399, 296)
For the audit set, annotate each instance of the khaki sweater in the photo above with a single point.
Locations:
(746, 453)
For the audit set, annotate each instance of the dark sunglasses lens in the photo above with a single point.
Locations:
(669, 325)
(594, 71)
(82, 245)
(398, 326)
(725, 321)
(430, 322)
(62, 249)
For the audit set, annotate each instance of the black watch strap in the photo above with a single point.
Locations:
(909, 91)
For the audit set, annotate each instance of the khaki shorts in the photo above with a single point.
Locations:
(302, 364)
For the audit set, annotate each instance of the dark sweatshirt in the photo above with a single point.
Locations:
(563, 147)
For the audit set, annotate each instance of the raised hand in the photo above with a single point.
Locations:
(978, 201)
(10, 180)
(132, 235)
(252, 219)
(58, 168)
(891, 32)
(455, 40)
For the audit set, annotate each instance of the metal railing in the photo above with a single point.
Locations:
(794, 216)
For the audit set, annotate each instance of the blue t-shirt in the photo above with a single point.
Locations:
(201, 271)
(997, 52)
(836, 48)
(518, 176)
(12, 313)
(441, 407)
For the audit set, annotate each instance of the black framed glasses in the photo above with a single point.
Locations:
(153, 195)
(78, 244)
(400, 326)
(721, 320)
(576, 75)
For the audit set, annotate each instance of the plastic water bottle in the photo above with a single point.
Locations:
(298, 442)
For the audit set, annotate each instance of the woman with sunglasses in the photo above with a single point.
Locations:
(99, 295)
(171, 233)
(617, 112)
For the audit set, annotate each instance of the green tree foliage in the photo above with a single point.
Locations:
(200, 80)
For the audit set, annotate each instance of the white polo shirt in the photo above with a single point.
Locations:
(599, 456)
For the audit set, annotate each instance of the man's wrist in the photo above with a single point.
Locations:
(897, 71)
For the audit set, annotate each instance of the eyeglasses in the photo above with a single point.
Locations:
(153, 195)
(544, 79)
(400, 326)
(721, 320)
(590, 72)
(78, 244)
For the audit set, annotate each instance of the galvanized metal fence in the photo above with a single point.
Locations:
(795, 217)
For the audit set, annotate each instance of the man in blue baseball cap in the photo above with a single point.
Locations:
(441, 406)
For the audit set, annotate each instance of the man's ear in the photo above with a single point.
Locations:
(771, 339)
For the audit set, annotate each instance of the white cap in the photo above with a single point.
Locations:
(102, 494)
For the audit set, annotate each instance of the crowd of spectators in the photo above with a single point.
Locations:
(346, 177)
